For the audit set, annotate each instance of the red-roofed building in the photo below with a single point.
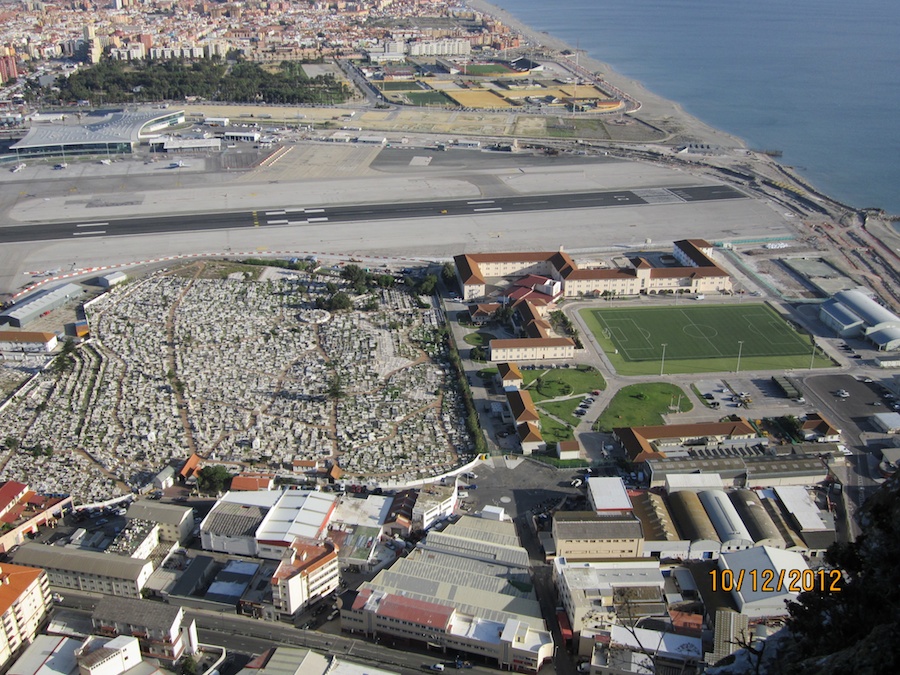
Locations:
(190, 467)
(699, 273)
(418, 614)
(530, 438)
(483, 313)
(11, 493)
(510, 643)
(253, 482)
(645, 443)
(311, 573)
(817, 428)
(25, 602)
(306, 466)
(24, 511)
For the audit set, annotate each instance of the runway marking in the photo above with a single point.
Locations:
(316, 220)
(88, 233)
(276, 213)
(313, 210)
(279, 222)
(92, 225)
(484, 201)
(528, 203)
(493, 208)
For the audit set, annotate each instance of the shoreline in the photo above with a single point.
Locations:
(855, 225)
(654, 108)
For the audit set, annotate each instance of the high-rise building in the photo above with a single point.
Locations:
(25, 602)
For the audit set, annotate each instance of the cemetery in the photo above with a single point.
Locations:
(249, 373)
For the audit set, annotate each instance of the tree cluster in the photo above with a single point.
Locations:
(864, 613)
(113, 81)
(213, 479)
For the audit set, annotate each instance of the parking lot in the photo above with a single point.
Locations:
(518, 486)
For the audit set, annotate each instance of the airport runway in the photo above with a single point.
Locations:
(306, 216)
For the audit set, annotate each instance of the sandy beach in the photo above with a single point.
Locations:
(655, 110)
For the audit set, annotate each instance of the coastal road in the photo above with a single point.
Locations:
(305, 216)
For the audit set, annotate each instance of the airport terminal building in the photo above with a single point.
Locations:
(102, 132)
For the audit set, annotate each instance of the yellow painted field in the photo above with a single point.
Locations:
(478, 98)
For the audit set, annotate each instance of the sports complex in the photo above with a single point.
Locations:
(698, 339)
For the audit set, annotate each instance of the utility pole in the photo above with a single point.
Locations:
(662, 363)
(740, 349)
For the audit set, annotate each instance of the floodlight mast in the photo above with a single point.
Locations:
(662, 363)
(740, 350)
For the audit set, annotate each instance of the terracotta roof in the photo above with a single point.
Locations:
(190, 466)
(528, 312)
(308, 559)
(485, 309)
(523, 293)
(729, 429)
(815, 423)
(529, 432)
(531, 342)
(691, 248)
(569, 446)
(562, 262)
(252, 482)
(623, 273)
(509, 371)
(520, 256)
(532, 280)
(10, 492)
(25, 336)
(637, 440)
(522, 406)
(468, 270)
(418, 612)
(15, 581)
(361, 599)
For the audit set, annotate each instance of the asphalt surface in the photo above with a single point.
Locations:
(300, 217)
(244, 635)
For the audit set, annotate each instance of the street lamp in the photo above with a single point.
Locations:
(740, 349)
(662, 363)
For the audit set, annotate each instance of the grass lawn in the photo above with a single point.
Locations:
(553, 431)
(563, 409)
(428, 98)
(700, 339)
(486, 69)
(479, 339)
(627, 410)
(399, 86)
(562, 382)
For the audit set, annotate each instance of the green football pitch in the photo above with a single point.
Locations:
(695, 339)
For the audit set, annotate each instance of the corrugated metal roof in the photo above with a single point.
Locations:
(82, 562)
(153, 615)
(415, 611)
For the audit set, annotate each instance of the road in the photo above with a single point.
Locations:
(299, 217)
(847, 414)
(251, 636)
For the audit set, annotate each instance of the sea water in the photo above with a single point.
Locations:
(818, 80)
